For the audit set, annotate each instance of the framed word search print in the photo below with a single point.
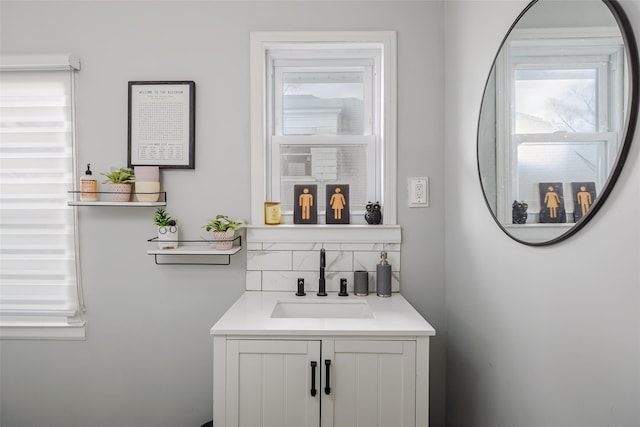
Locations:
(162, 118)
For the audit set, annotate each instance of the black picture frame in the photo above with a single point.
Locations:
(161, 124)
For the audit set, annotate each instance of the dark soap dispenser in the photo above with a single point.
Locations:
(383, 276)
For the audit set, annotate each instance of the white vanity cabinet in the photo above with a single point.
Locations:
(268, 383)
(309, 382)
(320, 372)
(373, 383)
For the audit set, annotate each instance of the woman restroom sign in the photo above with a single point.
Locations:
(337, 204)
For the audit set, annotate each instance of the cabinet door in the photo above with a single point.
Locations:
(269, 382)
(372, 383)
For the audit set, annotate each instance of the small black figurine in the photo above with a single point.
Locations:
(519, 212)
(373, 214)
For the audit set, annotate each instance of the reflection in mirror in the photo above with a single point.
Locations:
(557, 117)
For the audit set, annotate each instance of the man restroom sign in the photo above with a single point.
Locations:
(305, 206)
(337, 204)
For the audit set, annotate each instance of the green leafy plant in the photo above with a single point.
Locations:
(223, 223)
(162, 219)
(119, 176)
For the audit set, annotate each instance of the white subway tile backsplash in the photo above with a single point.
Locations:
(335, 260)
(353, 246)
(254, 281)
(306, 260)
(339, 261)
(269, 260)
(311, 246)
(254, 246)
(276, 266)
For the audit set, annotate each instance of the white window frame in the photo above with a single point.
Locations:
(280, 63)
(261, 166)
(597, 45)
(60, 323)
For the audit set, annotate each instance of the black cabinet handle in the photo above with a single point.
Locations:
(313, 378)
(327, 385)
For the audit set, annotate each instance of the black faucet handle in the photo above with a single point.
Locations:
(300, 291)
(343, 288)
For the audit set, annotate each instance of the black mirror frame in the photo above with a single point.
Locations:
(631, 50)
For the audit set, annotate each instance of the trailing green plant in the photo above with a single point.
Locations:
(223, 223)
(162, 219)
(120, 176)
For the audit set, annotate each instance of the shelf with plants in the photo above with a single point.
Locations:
(191, 248)
(120, 191)
(224, 244)
(103, 199)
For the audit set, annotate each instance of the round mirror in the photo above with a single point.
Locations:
(557, 117)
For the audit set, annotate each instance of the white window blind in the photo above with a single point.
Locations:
(39, 279)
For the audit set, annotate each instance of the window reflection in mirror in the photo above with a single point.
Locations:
(554, 110)
(565, 86)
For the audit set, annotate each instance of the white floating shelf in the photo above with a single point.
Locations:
(129, 204)
(194, 250)
(161, 196)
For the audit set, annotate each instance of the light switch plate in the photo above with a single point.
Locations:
(418, 187)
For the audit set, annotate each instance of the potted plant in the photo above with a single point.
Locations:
(223, 230)
(120, 182)
(167, 229)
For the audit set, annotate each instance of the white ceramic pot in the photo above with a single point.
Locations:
(222, 242)
(147, 191)
(168, 236)
(120, 192)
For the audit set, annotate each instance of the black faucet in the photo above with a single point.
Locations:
(322, 288)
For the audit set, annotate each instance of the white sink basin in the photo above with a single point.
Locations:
(321, 310)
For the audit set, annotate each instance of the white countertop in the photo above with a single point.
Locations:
(251, 315)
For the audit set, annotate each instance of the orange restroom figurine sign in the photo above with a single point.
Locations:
(305, 206)
(584, 194)
(337, 204)
(552, 202)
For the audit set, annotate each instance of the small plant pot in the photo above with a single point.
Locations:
(120, 192)
(147, 191)
(168, 236)
(222, 242)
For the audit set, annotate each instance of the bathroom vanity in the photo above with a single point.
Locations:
(282, 360)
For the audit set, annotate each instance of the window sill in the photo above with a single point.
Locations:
(349, 233)
(43, 330)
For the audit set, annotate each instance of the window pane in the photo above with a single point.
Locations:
(323, 103)
(549, 101)
(561, 162)
(322, 165)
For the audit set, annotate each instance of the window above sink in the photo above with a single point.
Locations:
(323, 111)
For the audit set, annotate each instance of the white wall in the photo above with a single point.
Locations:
(147, 360)
(537, 336)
